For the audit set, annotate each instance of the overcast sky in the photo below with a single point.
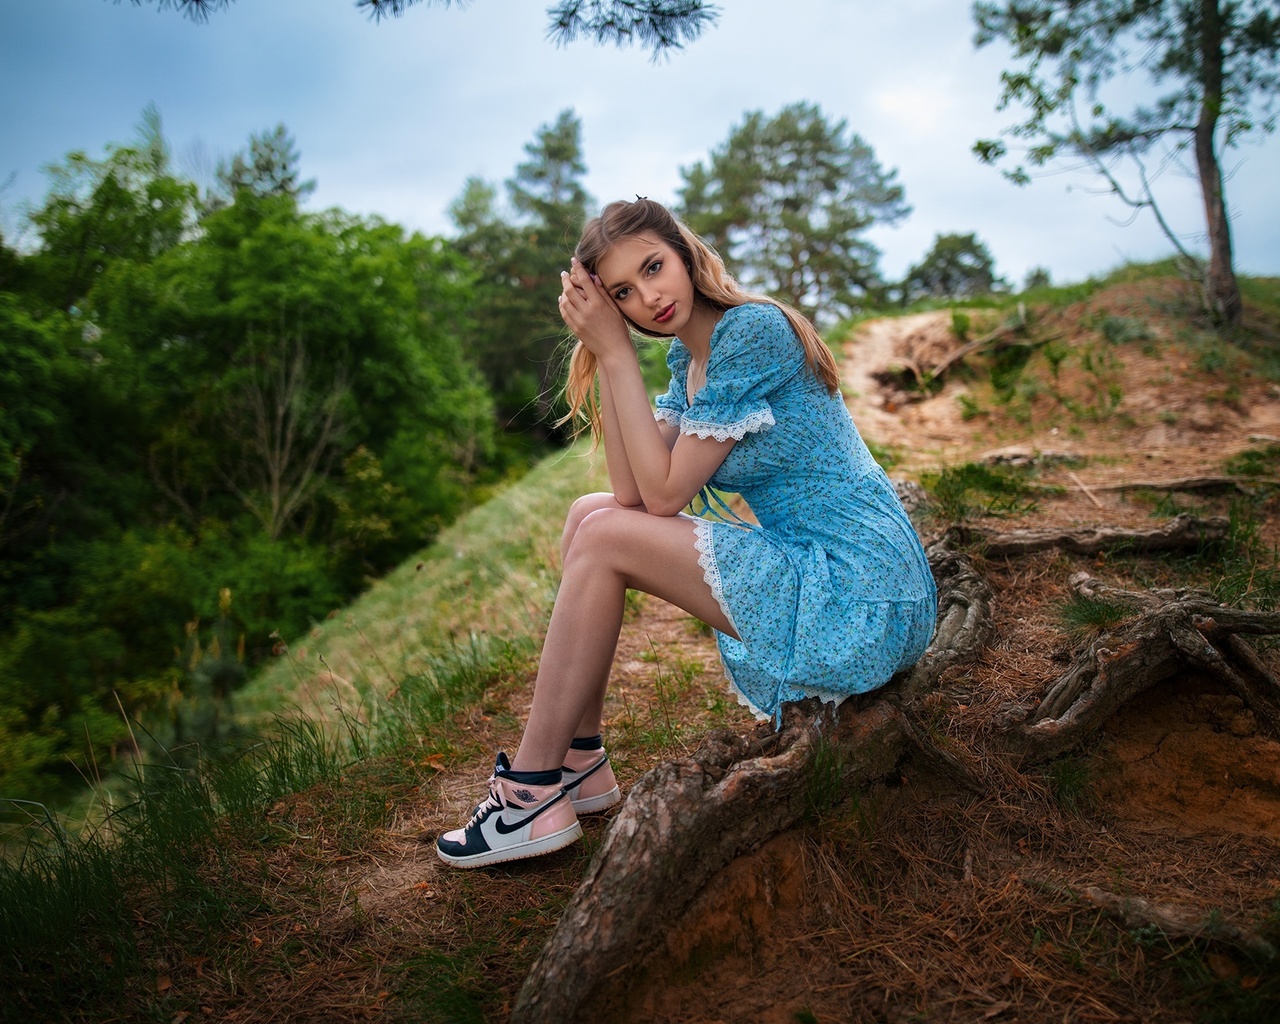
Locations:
(392, 118)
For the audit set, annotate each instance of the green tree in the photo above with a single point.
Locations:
(269, 166)
(659, 25)
(265, 404)
(787, 201)
(956, 267)
(127, 207)
(1213, 74)
(280, 341)
(1037, 277)
(517, 329)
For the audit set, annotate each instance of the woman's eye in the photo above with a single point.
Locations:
(654, 267)
(621, 294)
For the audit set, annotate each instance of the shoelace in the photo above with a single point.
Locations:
(494, 801)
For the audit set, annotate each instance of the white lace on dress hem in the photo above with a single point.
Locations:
(703, 544)
(826, 696)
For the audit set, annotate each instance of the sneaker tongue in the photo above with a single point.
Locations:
(502, 764)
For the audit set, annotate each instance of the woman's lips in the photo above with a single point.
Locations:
(667, 313)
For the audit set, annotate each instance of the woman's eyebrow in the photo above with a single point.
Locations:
(643, 264)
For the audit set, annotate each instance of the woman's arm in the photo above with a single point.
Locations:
(622, 480)
(666, 476)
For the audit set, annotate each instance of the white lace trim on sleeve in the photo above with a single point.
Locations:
(667, 416)
(756, 421)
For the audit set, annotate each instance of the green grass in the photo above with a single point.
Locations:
(1249, 572)
(1070, 781)
(497, 568)
(1085, 617)
(84, 916)
(961, 493)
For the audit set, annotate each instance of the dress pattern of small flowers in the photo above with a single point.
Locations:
(830, 594)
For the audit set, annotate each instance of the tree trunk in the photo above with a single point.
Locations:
(1223, 292)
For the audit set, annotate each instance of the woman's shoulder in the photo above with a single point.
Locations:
(755, 316)
(757, 330)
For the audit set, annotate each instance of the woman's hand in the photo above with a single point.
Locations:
(590, 312)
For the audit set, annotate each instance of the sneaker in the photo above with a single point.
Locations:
(516, 821)
(589, 781)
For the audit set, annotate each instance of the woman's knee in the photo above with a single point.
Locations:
(580, 510)
(600, 532)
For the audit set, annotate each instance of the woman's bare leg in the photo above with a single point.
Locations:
(608, 549)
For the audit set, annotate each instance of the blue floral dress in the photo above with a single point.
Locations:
(831, 593)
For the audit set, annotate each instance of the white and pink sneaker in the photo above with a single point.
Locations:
(589, 781)
(516, 821)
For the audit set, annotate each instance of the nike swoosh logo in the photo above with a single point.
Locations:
(506, 830)
(587, 774)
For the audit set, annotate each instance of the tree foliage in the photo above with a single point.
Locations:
(787, 201)
(657, 25)
(1212, 69)
(956, 267)
(519, 255)
(211, 414)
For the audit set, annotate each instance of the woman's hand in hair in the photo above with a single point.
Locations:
(589, 311)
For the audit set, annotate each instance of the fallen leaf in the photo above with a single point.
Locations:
(1222, 966)
(164, 983)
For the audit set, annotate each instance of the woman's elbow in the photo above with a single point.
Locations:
(666, 506)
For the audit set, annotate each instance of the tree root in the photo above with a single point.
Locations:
(683, 822)
(1181, 533)
(1177, 921)
(1175, 631)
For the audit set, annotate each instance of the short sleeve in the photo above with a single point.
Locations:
(754, 351)
(671, 403)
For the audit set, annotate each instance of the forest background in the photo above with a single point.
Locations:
(225, 413)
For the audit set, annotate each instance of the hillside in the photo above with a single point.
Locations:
(922, 899)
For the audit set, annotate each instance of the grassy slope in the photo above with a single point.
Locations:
(494, 571)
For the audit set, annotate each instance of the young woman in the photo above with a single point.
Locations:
(828, 596)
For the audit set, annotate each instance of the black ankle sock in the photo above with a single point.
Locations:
(547, 778)
(587, 742)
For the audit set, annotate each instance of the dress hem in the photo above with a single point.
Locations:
(832, 697)
(704, 544)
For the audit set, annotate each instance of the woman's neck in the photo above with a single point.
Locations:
(696, 334)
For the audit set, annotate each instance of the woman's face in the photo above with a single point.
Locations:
(649, 282)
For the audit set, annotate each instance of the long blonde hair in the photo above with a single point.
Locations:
(712, 285)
